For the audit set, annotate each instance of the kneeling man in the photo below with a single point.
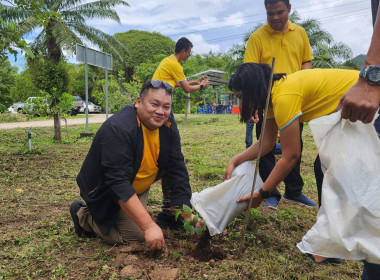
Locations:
(130, 151)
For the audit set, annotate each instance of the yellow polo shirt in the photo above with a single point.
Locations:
(149, 167)
(309, 94)
(290, 49)
(169, 70)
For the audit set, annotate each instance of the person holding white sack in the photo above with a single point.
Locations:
(298, 97)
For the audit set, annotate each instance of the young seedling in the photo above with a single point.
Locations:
(189, 225)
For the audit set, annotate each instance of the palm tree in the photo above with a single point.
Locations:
(66, 26)
(327, 53)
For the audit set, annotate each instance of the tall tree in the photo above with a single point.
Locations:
(143, 46)
(65, 27)
(10, 35)
(327, 53)
(8, 74)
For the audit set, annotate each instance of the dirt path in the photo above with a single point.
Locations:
(94, 118)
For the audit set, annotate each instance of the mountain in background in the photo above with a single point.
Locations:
(359, 60)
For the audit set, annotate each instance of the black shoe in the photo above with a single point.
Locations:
(326, 261)
(165, 221)
(74, 208)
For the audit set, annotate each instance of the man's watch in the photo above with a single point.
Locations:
(371, 74)
(263, 193)
(200, 86)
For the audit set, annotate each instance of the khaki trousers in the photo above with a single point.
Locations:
(124, 229)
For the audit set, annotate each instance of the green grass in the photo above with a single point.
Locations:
(37, 239)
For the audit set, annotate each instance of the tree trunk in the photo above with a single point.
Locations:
(57, 127)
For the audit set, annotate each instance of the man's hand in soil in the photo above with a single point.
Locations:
(361, 102)
(154, 237)
(256, 200)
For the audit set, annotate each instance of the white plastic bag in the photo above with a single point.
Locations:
(348, 222)
(217, 205)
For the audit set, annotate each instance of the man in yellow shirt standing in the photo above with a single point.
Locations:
(170, 70)
(289, 44)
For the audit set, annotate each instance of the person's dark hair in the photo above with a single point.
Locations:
(271, 2)
(252, 80)
(182, 44)
(156, 84)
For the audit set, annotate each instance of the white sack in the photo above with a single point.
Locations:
(217, 205)
(348, 223)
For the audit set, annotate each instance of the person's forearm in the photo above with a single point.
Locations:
(134, 209)
(373, 55)
(192, 83)
(248, 154)
(252, 152)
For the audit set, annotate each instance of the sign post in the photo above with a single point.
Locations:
(98, 59)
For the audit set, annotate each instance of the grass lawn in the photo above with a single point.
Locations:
(37, 239)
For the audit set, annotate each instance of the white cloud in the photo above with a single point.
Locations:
(235, 19)
(200, 45)
(218, 24)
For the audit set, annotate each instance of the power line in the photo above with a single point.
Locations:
(260, 14)
(326, 19)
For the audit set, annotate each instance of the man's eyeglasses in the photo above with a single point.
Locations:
(160, 84)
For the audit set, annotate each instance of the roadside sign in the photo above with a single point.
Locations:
(93, 57)
(98, 59)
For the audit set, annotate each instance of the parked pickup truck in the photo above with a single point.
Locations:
(21, 107)
(40, 107)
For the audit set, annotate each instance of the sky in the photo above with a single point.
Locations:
(216, 25)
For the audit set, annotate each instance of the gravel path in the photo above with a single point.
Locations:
(94, 118)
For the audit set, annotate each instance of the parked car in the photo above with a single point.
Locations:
(78, 101)
(92, 108)
(11, 110)
(29, 105)
(73, 111)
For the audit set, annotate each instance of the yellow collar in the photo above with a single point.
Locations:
(291, 27)
(167, 124)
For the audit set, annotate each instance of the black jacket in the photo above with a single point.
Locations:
(114, 159)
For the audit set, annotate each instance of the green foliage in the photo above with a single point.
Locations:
(65, 103)
(327, 53)
(76, 84)
(120, 93)
(143, 46)
(62, 25)
(359, 60)
(23, 87)
(49, 76)
(11, 33)
(9, 117)
(144, 71)
(8, 76)
(189, 225)
(37, 106)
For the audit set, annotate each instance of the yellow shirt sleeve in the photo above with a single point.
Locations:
(293, 104)
(178, 74)
(308, 53)
(252, 52)
(170, 71)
